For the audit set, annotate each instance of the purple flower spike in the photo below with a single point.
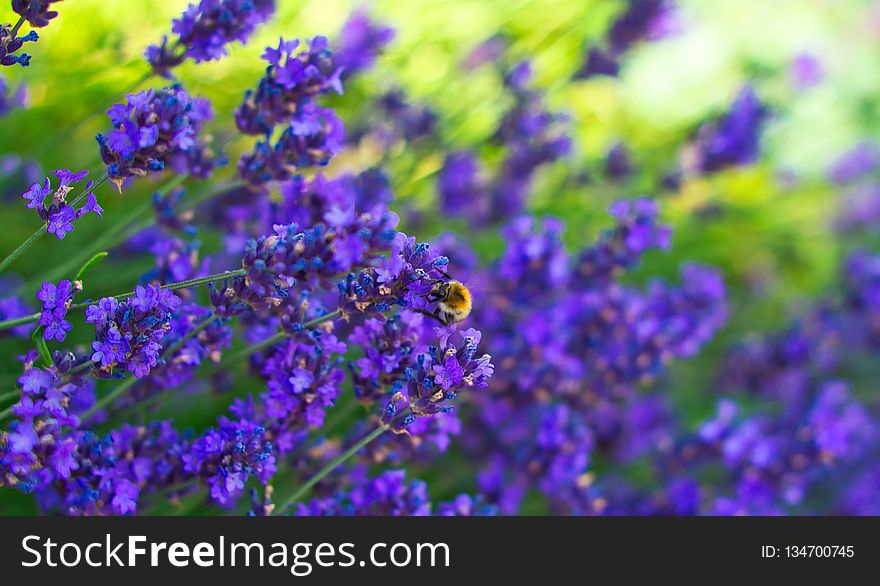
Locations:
(56, 299)
(37, 12)
(733, 139)
(291, 81)
(311, 140)
(9, 47)
(129, 334)
(437, 377)
(360, 42)
(155, 128)
(205, 30)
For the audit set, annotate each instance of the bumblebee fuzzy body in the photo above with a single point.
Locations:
(454, 300)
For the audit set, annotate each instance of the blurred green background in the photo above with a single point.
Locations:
(774, 241)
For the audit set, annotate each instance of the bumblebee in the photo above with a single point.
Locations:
(454, 301)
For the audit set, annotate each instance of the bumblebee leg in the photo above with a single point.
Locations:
(429, 314)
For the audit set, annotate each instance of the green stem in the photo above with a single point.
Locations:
(81, 368)
(109, 397)
(5, 325)
(340, 415)
(175, 286)
(19, 321)
(128, 383)
(6, 413)
(85, 193)
(335, 463)
(23, 247)
(41, 231)
(16, 28)
(10, 395)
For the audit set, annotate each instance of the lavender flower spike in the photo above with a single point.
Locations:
(129, 333)
(204, 32)
(152, 129)
(38, 13)
(56, 300)
(10, 45)
(438, 377)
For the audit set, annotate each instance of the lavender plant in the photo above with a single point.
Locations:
(266, 339)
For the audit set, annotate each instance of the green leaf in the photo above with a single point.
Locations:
(89, 264)
(42, 347)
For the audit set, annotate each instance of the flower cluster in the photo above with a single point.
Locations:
(38, 13)
(303, 378)
(227, 455)
(10, 45)
(389, 346)
(176, 368)
(405, 278)
(311, 140)
(311, 259)
(774, 461)
(575, 346)
(620, 249)
(406, 120)
(204, 31)
(38, 448)
(292, 79)
(858, 163)
(733, 139)
(816, 440)
(557, 458)
(437, 378)
(641, 20)
(116, 470)
(59, 215)
(389, 494)
(128, 333)
(274, 264)
(56, 300)
(361, 40)
(285, 95)
(153, 129)
(356, 202)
